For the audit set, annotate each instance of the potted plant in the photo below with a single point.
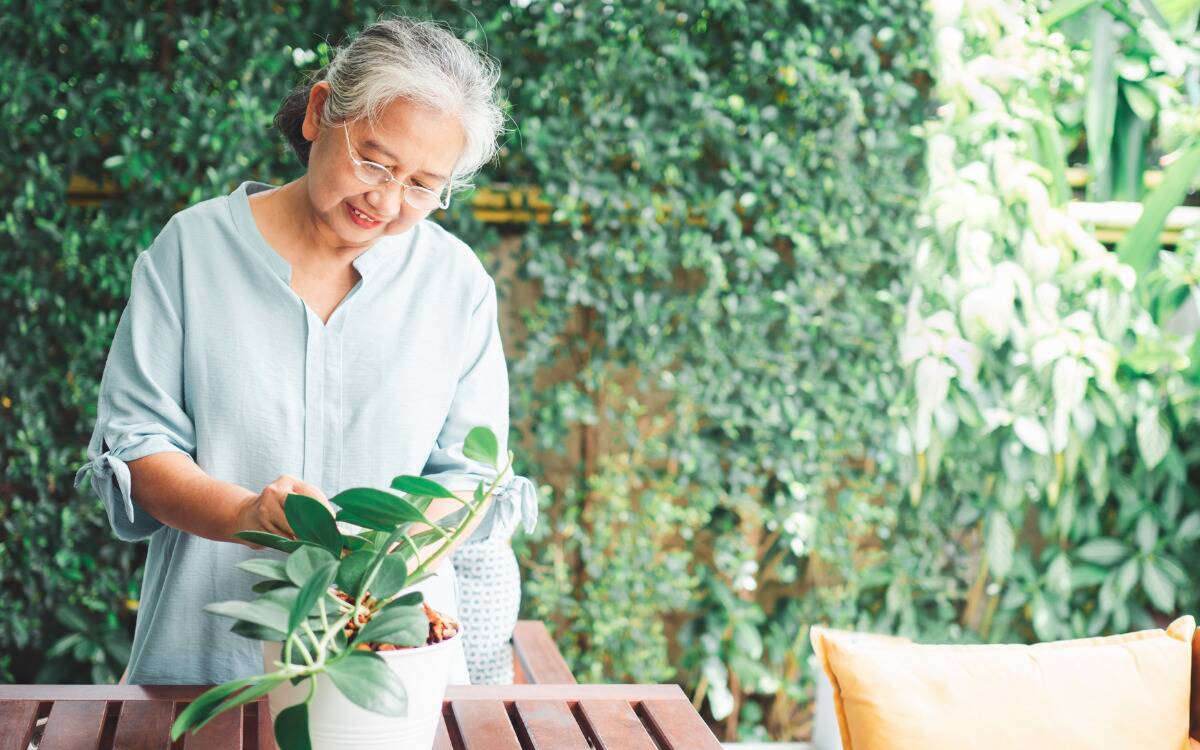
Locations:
(355, 662)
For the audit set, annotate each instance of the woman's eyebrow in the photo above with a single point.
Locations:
(380, 149)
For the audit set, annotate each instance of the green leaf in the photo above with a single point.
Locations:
(201, 709)
(367, 681)
(1139, 246)
(283, 598)
(1140, 100)
(1058, 576)
(1050, 150)
(303, 562)
(351, 570)
(256, 632)
(291, 728)
(376, 509)
(261, 612)
(374, 524)
(392, 575)
(1033, 435)
(1102, 551)
(481, 445)
(1153, 13)
(999, 544)
(420, 541)
(1180, 14)
(1101, 104)
(1087, 576)
(263, 587)
(1159, 589)
(1064, 9)
(1146, 533)
(269, 682)
(265, 539)
(65, 645)
(409, 599)
(1189, 530)
(310, 592)
(1130, 134)
(452, 520)
(421, 487)
(1153, 437)
(276, 570)
(1127, 578)
(402, 626)
(311, 521)
(748, 640)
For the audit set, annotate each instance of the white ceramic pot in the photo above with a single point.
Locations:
(335, 723)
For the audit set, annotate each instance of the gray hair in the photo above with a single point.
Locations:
(403, 58)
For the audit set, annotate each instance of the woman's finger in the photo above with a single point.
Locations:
(304, 488)
(276, 522)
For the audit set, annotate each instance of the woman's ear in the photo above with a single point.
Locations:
(317, 96)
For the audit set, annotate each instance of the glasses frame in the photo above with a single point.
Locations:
(404, 188)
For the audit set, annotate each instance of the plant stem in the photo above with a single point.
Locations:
(413, 545)
(324, 616)
(303, 651)
(316, 642)
(441, 552)
(329, 635)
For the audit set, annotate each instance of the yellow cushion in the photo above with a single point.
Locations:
(1122, 691)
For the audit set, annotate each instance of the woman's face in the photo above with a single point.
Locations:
(419, 146)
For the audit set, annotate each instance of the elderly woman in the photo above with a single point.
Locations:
(306, 338)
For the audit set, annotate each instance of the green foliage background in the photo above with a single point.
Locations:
(704, 376)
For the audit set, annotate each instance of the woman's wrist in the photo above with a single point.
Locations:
(235, 514)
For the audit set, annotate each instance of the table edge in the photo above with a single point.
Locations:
(564, 692)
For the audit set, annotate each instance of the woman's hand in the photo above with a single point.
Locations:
(264, 512)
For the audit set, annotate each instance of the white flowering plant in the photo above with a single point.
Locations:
(1047, 398)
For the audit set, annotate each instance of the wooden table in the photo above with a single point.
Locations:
(475, 717)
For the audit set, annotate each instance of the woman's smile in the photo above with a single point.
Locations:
(360, 218)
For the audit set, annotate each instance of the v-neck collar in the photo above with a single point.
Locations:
(365, 263)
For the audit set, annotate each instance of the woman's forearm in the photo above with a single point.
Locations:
(177, 492)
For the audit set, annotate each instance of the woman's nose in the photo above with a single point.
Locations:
(387, 201)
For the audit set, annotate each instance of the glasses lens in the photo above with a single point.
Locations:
(372, 174)
(422, 199)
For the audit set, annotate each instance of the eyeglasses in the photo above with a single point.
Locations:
(420, 198)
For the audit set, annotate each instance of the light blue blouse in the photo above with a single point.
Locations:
(215, 356)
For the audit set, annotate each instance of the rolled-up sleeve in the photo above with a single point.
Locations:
(140, 410)
(480, 399)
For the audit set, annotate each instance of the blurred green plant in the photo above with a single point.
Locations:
(1053, 418)
(1143, 81)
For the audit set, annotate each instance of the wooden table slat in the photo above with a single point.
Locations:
(17, 719)
(475, 717)
(265, 729)
(144, 725)
(551, 725)
(537, 656)
(678, 724)
(222, 733)
(484, 726)
(616, 725)
(185, 693)
(74, 725)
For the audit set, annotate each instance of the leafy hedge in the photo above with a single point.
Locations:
(704, 373)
